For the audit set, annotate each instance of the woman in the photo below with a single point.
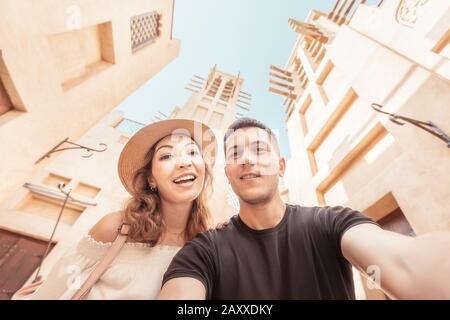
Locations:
(165, 167)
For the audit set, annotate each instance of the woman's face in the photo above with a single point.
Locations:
(178, 169)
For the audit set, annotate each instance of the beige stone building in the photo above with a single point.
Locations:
(63, 67)
(77, 62)
(395, 54)
(62, 73)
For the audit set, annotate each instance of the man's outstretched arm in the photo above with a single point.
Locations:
(182, 289)
(410, 268)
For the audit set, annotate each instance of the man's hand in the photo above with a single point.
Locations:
(220, 225)
(410, 268)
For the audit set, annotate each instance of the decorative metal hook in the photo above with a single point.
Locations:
(61, 187)
(89, 150)
(428, 126)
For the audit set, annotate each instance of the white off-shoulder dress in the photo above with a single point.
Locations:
(136, 273)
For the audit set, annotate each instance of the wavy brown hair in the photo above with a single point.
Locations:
(143, 210)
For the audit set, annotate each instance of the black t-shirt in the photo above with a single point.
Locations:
(300, 258)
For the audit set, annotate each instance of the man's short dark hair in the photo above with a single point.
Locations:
(249, 123)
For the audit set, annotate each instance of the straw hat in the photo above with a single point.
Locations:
(133, 155)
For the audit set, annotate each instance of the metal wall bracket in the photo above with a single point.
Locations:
(427, 126)
(89, 150)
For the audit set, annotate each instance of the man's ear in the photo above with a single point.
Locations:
(282, 166)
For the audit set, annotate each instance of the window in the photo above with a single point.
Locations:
(43, 207)
(227, 91)
(86, 190)
(44, 200)
(129, 126)
(79, 54)
(212, 91)
(52, 180)
(144, 30)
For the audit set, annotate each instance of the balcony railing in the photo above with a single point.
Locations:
(338, 15)
(129, 126)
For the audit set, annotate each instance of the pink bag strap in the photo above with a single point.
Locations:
(101, 266)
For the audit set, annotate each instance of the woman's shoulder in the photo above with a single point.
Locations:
(106, 229)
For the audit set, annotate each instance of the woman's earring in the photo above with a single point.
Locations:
(153, 189)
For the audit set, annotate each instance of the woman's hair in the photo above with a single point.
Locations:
(143, 211)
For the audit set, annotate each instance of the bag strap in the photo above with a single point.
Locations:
(61, 186)
(101, 266)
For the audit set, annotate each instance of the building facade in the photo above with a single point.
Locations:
(345, 151)
(61, 72)
(78, 62)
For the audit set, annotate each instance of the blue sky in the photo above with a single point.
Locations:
(245, 36)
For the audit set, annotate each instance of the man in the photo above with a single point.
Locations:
(273, 250)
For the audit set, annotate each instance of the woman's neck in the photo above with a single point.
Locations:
(176, 216)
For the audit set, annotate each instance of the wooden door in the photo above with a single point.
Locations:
(19, 258)
(396, 222)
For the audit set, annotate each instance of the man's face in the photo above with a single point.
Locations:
(253, 164)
